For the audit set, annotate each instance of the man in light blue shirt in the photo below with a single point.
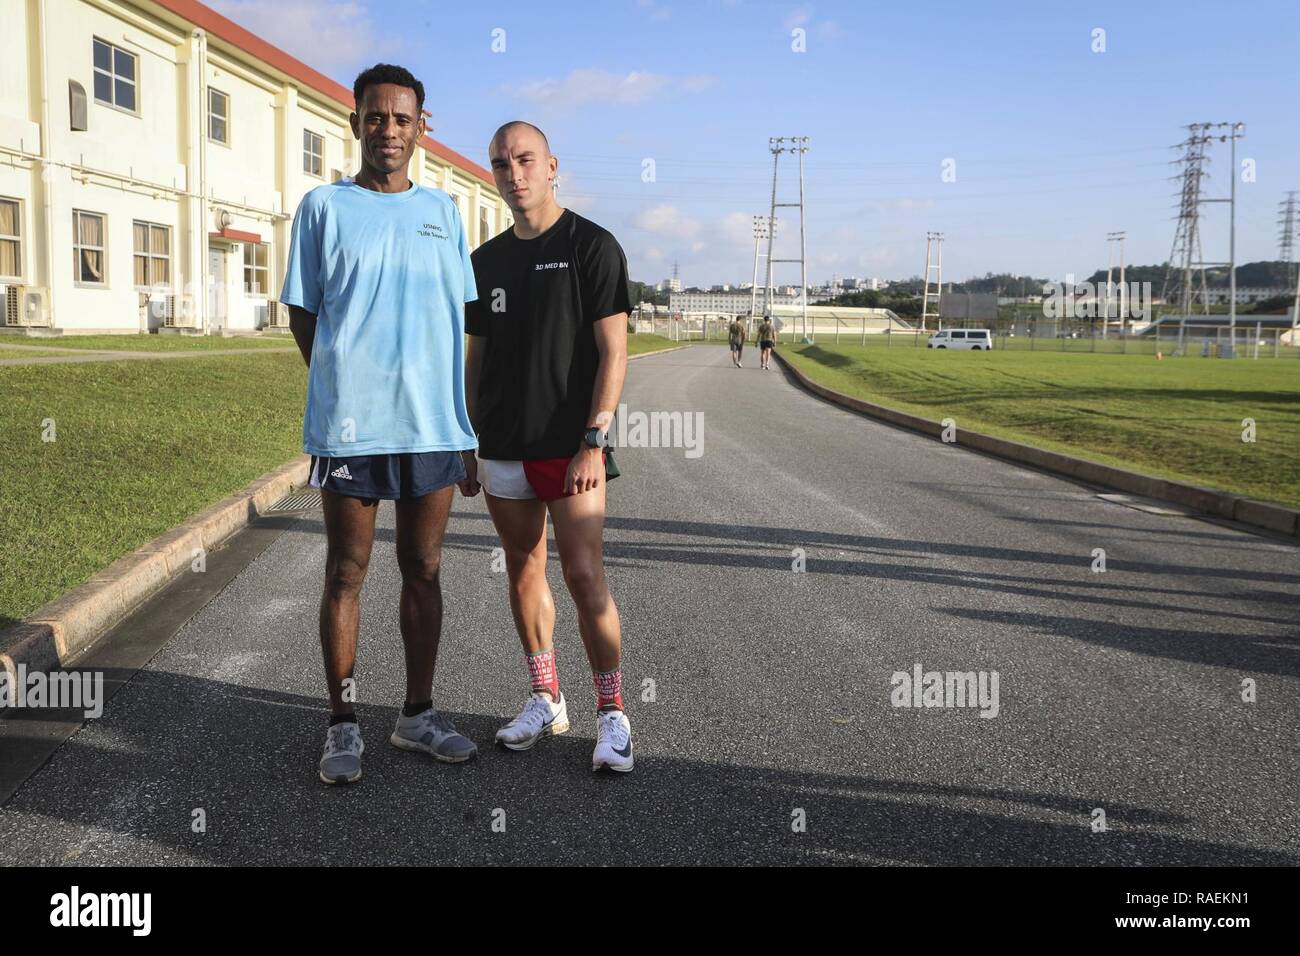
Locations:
(377, 278)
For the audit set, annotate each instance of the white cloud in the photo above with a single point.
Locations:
(332, 36)
(668, 221)
(657, 12)
(593, 85)
(799, 16)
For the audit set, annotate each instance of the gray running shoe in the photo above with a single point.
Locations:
(433, 733)
(342, 760)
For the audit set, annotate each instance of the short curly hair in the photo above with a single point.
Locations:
(387, 73)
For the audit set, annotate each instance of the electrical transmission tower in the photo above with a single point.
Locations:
(1287, 222)
(798, 144)
(1286, 239)
(1180, 282)
(1185, 257)
(933, 263)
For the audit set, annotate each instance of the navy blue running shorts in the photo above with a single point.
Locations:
(405, 475)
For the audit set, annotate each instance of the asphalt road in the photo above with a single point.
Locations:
(1118, 690)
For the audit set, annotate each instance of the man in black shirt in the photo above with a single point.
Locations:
(545, 365)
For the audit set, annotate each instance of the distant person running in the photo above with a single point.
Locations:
(545, 367)
(766, 342)
(377, 277)
(736, 337)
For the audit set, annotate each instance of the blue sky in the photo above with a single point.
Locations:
(1054, 145)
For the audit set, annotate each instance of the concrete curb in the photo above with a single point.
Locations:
(673, 348)
(56, 634)
(1261, 514)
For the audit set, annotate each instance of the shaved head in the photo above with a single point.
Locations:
(518, 124)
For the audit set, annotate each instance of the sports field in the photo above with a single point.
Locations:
(1177, 418)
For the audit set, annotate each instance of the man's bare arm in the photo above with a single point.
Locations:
(474, 345)
(303, 326)
(611, 343)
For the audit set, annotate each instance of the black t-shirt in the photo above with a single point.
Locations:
(538, 300)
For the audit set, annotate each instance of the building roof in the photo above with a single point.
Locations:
(219, 26)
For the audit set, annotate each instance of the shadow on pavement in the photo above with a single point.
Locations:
(124, 790)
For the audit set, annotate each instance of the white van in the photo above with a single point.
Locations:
(971, 339)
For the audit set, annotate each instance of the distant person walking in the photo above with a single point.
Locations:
(766, 341)
(736, 338)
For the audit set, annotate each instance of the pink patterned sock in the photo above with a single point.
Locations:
(609, 689)
(541, 672)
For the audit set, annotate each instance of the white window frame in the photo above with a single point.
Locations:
(255, 268)
(77, 247)
(149, 254)
(225, 119)
(16, 279)
(308, 154)
(113, 78)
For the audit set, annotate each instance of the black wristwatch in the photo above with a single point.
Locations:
(594, 437)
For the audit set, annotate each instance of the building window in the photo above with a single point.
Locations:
(313, 154)
(257, 279)
(88, 247)
(153, 247)
(115, 72)
(484, 230)
(11, 245)
(218, 117)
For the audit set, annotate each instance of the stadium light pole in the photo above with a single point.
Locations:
(762, 225)
(1111, 239)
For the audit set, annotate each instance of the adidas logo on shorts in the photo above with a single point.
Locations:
(341, 472)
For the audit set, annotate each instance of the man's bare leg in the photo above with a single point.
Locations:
(521, 526)
(579, 533)
(350, 533)
(421, 524)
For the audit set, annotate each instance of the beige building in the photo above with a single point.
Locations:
(152, 150)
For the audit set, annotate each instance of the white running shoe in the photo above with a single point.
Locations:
(341, 762)
(541, 717)
(432, 733)
(613, 742)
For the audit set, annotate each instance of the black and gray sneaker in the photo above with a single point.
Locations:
(343, 748)
(433, 733)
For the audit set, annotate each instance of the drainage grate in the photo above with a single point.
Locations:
(297, 501)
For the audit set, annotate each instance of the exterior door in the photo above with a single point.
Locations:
(216, 287)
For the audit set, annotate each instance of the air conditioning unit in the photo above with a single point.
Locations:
(178, 311)
(277, 315)
(26, 305)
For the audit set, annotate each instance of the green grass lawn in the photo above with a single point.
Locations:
(645, 342)
(139, 447)
(1179, 418)
(159, 343)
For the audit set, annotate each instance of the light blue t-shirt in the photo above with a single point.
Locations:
(387, 276)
